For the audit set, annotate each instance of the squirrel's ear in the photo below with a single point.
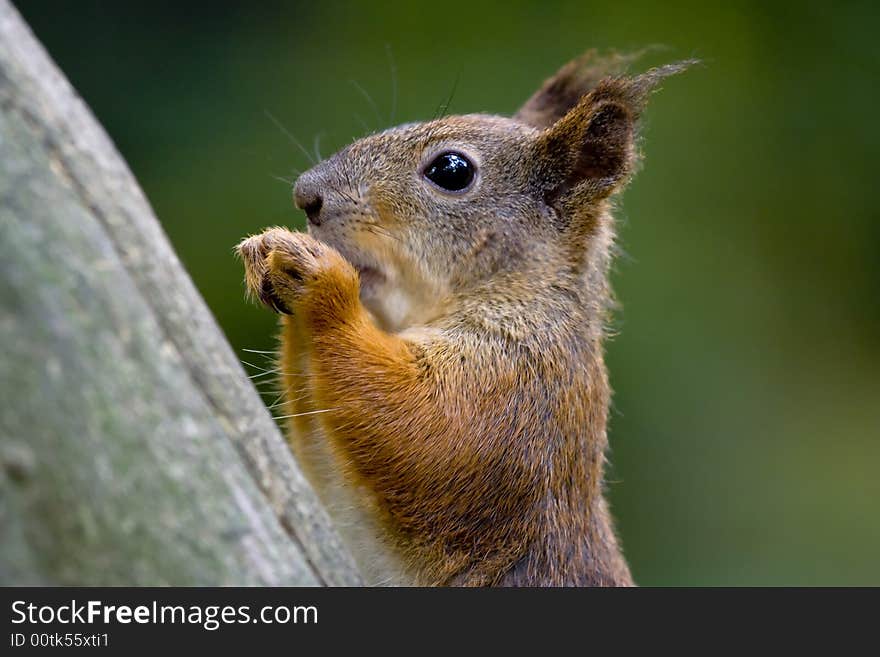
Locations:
(561, 93)
(591, 150)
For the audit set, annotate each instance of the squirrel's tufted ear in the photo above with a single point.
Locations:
(591, 150)
(577, 78)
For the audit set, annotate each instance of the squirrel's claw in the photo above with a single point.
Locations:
(280, 265)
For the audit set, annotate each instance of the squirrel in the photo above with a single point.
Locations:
(442, 329)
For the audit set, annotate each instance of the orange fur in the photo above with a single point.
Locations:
(442, 355)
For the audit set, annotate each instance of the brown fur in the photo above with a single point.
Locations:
(442, 353)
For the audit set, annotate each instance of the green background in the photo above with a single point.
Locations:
(746, 424)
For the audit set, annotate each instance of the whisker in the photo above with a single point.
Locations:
(348, 178)
(285, 417)
(257, 367)
(369, 100)
(279, 400)
(293, 139)
(443, 108)
(341, 193)
(378, 230)
(451, 95)
(262, 374)
(282, 179)
(317, 146)
(363, 123)
(393, 66)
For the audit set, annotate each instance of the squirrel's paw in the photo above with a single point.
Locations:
(283, 268)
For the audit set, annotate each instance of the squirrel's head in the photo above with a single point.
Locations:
(427, 211)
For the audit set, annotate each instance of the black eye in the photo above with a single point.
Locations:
(450, 171)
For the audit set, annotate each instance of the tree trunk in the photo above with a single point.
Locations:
(133, 448)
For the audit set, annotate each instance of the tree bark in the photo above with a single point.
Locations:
(133, 448)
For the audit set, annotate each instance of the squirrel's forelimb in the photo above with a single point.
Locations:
(411, 440)
(444, 451)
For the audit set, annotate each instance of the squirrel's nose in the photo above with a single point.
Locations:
(309, 200)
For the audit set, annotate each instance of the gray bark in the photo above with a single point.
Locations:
(133, 448)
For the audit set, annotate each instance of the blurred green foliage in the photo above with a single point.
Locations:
(746, 424)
